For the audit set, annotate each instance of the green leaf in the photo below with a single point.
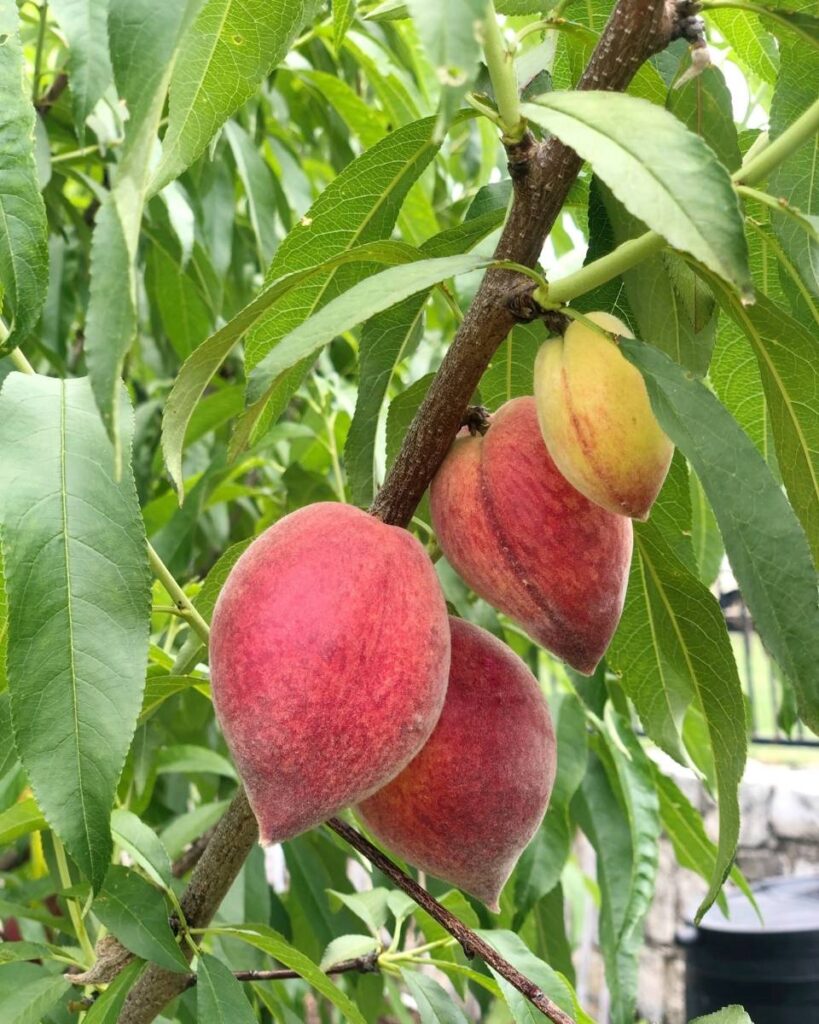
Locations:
(365, 299)
(29, 1002)
(19, 820)
(230, 47)
(512, 948)
(16, 952)
(542, 862)
(672, 649)
(730, 1015)
(788, 357)
(602, 818)
(200, 367)
(219, 996)
(451, 35)
(384, 338)
(136, 913)
(190, 759)
(84, 23)
(662, 173)
(435, 1006)
(257, 181)
(509, 374)
(684, 827)
(144, 35)
(705, 536)
(795, 178)
(158, 688)
(23, 228)
(107, 1007)
(274, 945)
(765, 544)
(735, 376)
(143, 845)
(78, 590)
(176, 836)
(348, 947)
(369, 906)
(343, 14)
(704, 106)
(184, 312)
(753, 46)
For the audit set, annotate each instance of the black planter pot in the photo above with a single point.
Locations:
(770, 967)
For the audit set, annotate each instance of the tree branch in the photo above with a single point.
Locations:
(472, 944)
(542, 174)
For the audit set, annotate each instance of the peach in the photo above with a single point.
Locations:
(596, 418)
(329, 660)
(466, 807)
(525, 540)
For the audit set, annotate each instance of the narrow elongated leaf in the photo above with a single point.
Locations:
(730, 1015)
(765, 544)
(788, 357)
(359, 303)
(23, 230)
(384, 338)
(734, 373)
(136, 913)
(513, 949)
(274, 945)
(361, 204)
(661, 172)
(795, 179)
(79, 602)
(107, 1007)
(543, 859)
(343, 14)
(144, 35)
(84, 23)
(200, 367)
(753, 46)
(29, 1002)
(451, 35)
(672, 650)
(257, 181)
(604, 821)
(143, 844)
(684, 827)
(219, 996)
(19, 820)
(435, 1006)
(226, 52)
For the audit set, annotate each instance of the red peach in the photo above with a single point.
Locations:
(465, 808)
(329, 658)
(526, 541)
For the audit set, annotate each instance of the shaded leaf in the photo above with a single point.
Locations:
(84, 23)
(107, 1007)
(765, 544)
(28, 1002)
(136, 913)
(220, 998)
(348, 947)
(19, 820)
(143, 844)
(435, 1006)
(23, 228)
(274, 945)
(79, 599)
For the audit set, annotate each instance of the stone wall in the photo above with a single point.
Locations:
(779, 837)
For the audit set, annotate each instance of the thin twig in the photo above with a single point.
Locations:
(472, 944)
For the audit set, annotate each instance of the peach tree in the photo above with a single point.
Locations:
(262, 256)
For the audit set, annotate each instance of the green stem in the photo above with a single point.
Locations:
(38, 56)
(163, 574)
(802, 129)
(19, 360)
(624, 257)
(780, 206)
(500, 62)
(73, 910)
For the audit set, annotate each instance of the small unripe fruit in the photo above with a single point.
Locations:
(329, 660)
(596, 418)
(526, 541)
(466, 807)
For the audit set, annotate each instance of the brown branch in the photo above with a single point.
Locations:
(542, 174)
(472, 944)
(192, 855)
(52, 94)
(361, 964)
